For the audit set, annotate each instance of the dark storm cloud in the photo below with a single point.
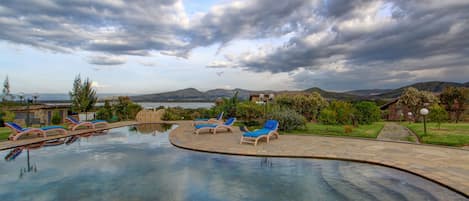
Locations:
(112, 27)
(249, 19)
(415, 36)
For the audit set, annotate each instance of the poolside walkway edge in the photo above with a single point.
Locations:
(446, 166)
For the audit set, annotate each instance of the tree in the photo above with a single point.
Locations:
(56, 118)
(344, 111)
(415, 100)
(105, 112)
(437, 114)
(308, 105)
(83, 95)
(6, 90)
(366, 112)
(454, 99)
(126, 109)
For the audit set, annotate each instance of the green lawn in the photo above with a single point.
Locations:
(364, 131)
(4, 133)
(450, 134)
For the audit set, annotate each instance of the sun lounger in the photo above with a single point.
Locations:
(88, 124)
(269, 130)
(217, 120)
(19, 131)
(228, 125)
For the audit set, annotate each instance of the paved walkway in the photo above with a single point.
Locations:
(394, 132)
(11, 144)
(447, 166)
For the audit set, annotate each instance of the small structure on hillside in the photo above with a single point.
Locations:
(396, 112)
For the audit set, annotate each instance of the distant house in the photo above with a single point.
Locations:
(38, 114)
(261, 98)
(395, 112)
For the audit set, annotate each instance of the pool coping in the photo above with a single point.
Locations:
(194, 145)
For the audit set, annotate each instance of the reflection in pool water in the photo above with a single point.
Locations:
(126, 165)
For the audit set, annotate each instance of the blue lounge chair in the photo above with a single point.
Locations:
(18, 131)
(88, 124)
(228, 125)
(217, 120)
(269, 130)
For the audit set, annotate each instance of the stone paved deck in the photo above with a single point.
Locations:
(447, 166)
(11, 144)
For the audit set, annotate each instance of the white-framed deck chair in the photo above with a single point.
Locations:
(87, 124)
(227, 125)
(18, 131)
(217, 120)
(269, 130)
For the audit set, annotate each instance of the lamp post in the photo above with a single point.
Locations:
(409, 116)
(424, 112)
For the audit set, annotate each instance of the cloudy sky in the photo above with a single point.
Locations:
(144, 46)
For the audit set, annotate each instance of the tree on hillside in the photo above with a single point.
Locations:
(83, 96)
(415, 100)
(308, 105)
(6, 89)
(454, 99)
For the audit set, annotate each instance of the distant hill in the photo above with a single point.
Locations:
(333, 95)
(191, 94)
(434, 86)
(368, 92)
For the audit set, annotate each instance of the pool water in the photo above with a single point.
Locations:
(126, 164)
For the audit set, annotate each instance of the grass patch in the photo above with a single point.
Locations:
(4, 133)
(364, 131)
(450, 134)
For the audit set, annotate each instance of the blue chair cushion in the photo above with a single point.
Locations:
(257, 133)
(17, 127)
(51, 127)
(75, 121)
(271, 124)
(205, 126)
(97, 121)
(230, 121)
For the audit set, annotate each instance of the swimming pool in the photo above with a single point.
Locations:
(139, 163)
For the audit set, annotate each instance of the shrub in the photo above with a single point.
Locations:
(103, 114)
(288, 119)
(249, 111)
(8, 116)
(56, 118)
(366, 112)
(348, 129)
(437, 114)
(328, 117)
(171, 115)
(126, 109)
(307, 105)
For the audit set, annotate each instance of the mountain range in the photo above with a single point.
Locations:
(194, 95)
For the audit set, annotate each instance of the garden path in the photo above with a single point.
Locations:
(394, 132)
